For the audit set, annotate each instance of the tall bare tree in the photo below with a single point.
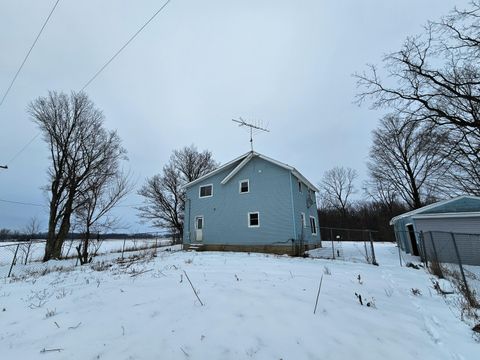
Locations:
(408, 158)
(435, 77)
(80, 148)
(337, 187)
(164, 195)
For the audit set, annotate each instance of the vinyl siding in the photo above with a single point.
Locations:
(226, 212)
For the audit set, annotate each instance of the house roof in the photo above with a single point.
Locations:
(243, 160)
(429, 208)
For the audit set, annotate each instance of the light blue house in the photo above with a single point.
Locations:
(436, 222)
(252, 203)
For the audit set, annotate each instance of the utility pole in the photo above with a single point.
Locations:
(242, 122)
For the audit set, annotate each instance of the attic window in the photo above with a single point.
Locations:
(244, 186)
(206, 191)
(254, 219)
(299, 186)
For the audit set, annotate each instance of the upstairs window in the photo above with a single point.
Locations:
(313, 225)
(254, 219)
(299, 186)
(244, 186)
(206, 191)
(302, 217)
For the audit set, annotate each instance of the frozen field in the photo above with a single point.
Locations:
(255, 306)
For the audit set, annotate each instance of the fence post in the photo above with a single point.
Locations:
(123, 247)
(374, 260)
(13, 261)
(422, 239)
(461, 266)
(333, 248)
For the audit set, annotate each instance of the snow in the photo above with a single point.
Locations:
(256, 306)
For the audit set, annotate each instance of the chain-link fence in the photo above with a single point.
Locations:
(18, 258)
(356, 245)
(454, 256)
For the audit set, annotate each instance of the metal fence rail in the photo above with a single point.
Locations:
(18, 258)
(348, 244)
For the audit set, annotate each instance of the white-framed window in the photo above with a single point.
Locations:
(299, 186)
(244, 186)
(313, 225)
(205, 191)
(254, 219)
(199, 222)
(304, 222)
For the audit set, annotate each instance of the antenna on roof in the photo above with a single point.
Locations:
(253, 128)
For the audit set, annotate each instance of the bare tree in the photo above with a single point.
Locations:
(80, 147)
(408, 158)
(435, 78)
(164, 194)
(99, 196)
(381, 192)
(336, 188)
(31, 230)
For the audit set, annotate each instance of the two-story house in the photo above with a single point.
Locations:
(252, 203)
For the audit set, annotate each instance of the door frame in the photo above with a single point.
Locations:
(197, 230)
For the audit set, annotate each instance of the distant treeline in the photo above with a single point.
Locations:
(367, 215)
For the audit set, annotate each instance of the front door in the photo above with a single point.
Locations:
(199, 228)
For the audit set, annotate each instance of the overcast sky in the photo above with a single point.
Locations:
(287, 64)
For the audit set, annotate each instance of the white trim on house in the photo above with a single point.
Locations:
(248, 219)
(240, 186)
(245, 158)
(200, 191)
(447, 215)
(196, 221)
(432, 206)
(237, 169)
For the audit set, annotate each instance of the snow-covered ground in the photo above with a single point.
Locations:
(255, 306)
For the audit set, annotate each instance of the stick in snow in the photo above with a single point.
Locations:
(75, 327)
(318, 294)
(141, 272)
(49, 350)
(195, 291)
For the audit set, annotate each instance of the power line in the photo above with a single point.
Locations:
(28, 53)
(22, 149)
(125, 45)
(21, 203)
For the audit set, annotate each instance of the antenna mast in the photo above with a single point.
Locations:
(251, 126)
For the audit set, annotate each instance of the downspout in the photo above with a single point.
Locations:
(293, 208)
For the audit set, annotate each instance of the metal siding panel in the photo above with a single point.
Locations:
(456, 225)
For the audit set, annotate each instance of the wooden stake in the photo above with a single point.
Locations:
(318, 294)
(195, 291)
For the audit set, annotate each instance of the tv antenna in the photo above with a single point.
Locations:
(252, 127)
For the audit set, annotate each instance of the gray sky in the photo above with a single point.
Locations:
(199, 64)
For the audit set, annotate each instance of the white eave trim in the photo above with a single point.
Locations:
(432, 206)
(237, 169)
(447, 215)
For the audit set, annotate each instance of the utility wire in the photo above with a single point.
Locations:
(125, 45)
(28, 53)
(21, 203)
(22, 149)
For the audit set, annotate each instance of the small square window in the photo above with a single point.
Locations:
(253, 219)
(206, 191)
(244, 186)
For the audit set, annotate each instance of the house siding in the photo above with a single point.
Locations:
(300, 206)
(226, 212)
